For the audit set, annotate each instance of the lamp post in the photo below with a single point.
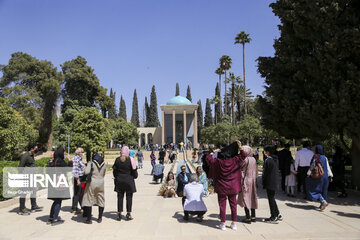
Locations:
(71, 133)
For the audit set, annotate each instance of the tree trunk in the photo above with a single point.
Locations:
(220, 103)
(355, 159)
(245, 109)
(233, 102)
(225, 108)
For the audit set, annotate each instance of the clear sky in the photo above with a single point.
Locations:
(139, 43)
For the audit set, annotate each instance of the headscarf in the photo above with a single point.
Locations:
(229, 151)
(131, 153)
(98, 160)
(59, 153)
(319, 149)
(248, 151)
(125, 152)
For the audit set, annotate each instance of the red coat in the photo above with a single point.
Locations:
(226, 173)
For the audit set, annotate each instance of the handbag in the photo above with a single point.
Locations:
(87, 178)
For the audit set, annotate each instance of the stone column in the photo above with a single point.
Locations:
(146, 138)
(196, 144)
(163, 128)
(184, 126)
(173, 123)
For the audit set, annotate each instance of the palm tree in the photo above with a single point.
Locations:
(219, 71)
(225, 63)
(242, 38)
(234, 80)
(239, 97)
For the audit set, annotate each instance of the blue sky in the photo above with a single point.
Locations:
(139, 43)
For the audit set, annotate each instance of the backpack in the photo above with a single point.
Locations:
(318, 171)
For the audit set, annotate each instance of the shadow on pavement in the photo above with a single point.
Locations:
(111, 215)
(351, 215)
(299, 206)
(206, 222)
(43, 218)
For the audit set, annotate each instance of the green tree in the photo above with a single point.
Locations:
(242, 38)
(15, 133)
(217, 102)
(90, 131)
(122, 109)
(188, 93)
(112, 108)
(208, 120)
(147, 112)
(153, 115)
(123, 132)
(81, 83)
(225, 64)
(39, 76)
(219, 71)
(200, 122)
(177, 92)
(219, 134)
(104, 101)
(135, 111)
(234, 81)
(249, 128)
(312, 81)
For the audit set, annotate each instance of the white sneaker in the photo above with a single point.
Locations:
(222, 227)
(233, 226)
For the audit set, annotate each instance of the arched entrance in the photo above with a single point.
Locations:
(142, 139)
(150, 138)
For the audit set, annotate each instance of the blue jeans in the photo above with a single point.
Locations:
(55, 209)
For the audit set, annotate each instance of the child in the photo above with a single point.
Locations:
(290, 181)
(270, 178)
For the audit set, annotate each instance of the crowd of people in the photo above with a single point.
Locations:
(232, 170)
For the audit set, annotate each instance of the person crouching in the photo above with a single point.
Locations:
(194, 204)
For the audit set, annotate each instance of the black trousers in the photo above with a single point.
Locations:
(77, 196)
(274, 211)
(32, 200)
(283, 176)
(88, 211)
(156, 177)
(247, 213)
(120, 201)
(198, 213)
(302, 174)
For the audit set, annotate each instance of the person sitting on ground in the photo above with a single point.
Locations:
(202, 179)
(182, 179)
(194, 204)
(158, 172)
(170, 186)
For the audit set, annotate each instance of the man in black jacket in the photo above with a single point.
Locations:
(285, 160)
(28, 160)
(270, 177)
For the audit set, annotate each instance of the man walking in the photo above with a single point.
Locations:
(28, 160)
(77, 172)
(302, 164)
(285, 160)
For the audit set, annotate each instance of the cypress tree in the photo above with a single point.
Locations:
(217, 104)
(199, 117)
(227, 108)
(122, 109)
(177, 92)
(153, 115)
(135, 111)
(208, 120)
(188, 94)
(147, 113)
(112, 107)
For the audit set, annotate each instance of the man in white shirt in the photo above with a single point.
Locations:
(194, 204)
(302, 164)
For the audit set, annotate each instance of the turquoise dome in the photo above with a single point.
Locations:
(178, 100)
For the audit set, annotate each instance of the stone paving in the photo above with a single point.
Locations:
(159, 218)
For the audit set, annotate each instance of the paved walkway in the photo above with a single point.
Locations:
(159, 218)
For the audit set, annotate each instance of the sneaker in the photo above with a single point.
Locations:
(24, 211)
(222, 226)
(118, 217)
(271, 220)
(49, 221)
(280, 218)
(129, 217)
(233, 226)
(57, 222)
(99, 220)
(36, 209)
(199, 219)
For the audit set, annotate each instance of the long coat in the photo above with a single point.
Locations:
(248, 196)
(270, 173)
(94, 194)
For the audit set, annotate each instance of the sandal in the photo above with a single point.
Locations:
(253, 219)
